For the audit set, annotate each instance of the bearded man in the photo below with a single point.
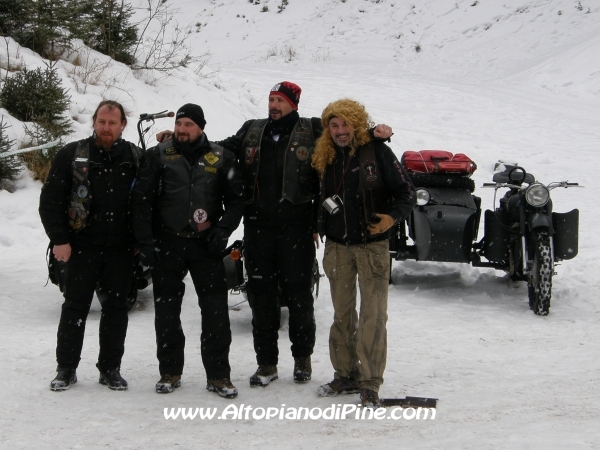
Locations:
(364, 192)
(84, 207)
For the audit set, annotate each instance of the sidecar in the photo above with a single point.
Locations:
(443, 225)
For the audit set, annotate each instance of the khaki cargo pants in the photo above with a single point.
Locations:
(358, 343)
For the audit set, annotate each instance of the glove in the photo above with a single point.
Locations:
(149, 256)
(385, 223)
(217, 240)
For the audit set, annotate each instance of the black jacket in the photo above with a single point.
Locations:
(347, 226)
(111, 176)
(228, 186)
(268, 207)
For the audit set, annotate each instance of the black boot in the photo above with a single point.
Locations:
(113, 380)
(302, 369)
(63, 380)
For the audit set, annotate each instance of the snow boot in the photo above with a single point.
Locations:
(168, 383)
(113, 379)
(63, 380)
(338, 386)
(223, 387)
(264, 375)
(302, 369)
(369, 399)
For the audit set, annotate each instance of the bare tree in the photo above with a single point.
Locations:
(163, 45)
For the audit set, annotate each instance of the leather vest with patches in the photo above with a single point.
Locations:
(190, 195)
(297, 171)
(372, 194)
(80, 198)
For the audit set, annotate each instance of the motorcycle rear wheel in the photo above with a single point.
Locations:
(539, 282)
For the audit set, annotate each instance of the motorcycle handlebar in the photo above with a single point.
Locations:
(160, 115)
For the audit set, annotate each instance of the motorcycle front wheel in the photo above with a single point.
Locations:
(539, 282)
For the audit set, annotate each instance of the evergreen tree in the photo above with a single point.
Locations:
(10, 166)
(112, 32)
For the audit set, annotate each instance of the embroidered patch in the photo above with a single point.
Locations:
(82, 192)
(200, 216)
(210, 169)
(250, 153)
(252, 138)
(370, 170)
(172, 157)
(170, 151)
(211, 158)
(302, 153)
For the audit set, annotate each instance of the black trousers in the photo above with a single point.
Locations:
(178, 255)
(109, 271)
(280, 260)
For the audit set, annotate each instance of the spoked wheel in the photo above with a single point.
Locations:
(540, 277)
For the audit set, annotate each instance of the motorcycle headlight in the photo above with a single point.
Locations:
(537, 195)
(422, 197)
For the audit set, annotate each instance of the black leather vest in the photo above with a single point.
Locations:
(190, 195)
(80, 198)
(298, 173)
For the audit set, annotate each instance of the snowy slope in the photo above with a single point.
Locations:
(512, 80)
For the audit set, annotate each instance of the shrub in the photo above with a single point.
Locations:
(37, 96)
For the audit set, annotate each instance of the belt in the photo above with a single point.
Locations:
(187, 234)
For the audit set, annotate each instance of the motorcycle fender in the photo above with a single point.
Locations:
(566, 234)
(539, 220)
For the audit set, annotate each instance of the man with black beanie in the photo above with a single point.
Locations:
(186, 203)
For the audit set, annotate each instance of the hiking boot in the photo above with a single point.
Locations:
(168, 383)
(223, 387)
(338, 386)
(63, 380)
(264, 375)
(302, 369)
(113, 380)
(369, 399)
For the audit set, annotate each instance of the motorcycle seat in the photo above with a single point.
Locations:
(502, 177)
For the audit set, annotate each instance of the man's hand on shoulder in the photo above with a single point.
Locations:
(164, 135)
(383, 131)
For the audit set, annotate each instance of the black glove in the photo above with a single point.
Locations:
(217, 240)
(149, 256)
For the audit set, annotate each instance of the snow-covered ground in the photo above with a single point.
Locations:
(517, 80)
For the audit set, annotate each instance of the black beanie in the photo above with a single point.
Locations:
(193, 112)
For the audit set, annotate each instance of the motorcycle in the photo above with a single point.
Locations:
(522, 236)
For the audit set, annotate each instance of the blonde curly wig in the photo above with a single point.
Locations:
(356, 116)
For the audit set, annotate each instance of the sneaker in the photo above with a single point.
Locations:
(264, 375)
(302, 369)
(338, 386)
(113, 380)
(369, 399)
(223, 387)
(63, 380)
(168, 383)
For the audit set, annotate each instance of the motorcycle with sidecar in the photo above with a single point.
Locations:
(523, 236)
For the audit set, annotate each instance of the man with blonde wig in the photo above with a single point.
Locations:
(364, 192)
